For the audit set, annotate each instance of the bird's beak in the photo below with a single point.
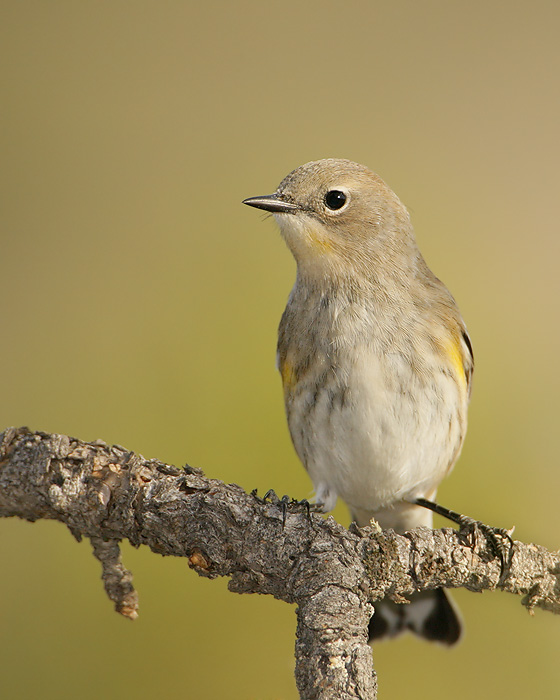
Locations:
(271, 202)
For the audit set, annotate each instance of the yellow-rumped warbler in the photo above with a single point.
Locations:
(376, 362)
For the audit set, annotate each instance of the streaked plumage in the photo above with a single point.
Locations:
(375, 360)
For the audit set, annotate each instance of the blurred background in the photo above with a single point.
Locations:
(140, 301)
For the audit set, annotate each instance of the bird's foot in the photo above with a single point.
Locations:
(289, 505)
(500, 539)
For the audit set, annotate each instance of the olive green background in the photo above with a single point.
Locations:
(140, 300)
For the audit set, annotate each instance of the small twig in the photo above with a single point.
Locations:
(116, 579)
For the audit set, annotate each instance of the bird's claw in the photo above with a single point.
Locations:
(499, 538)
(289, 505)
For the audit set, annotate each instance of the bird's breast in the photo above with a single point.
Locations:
(367, 419)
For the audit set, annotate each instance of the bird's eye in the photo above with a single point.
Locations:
(335, 199)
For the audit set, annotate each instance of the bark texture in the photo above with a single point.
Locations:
(334, 575)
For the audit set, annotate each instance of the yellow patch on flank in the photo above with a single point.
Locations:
(454, 354)
(288, 374)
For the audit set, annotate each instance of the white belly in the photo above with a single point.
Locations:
(378, 432)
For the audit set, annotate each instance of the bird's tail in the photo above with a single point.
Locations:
(431, 615)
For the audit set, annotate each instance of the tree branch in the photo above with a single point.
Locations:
(333, 575)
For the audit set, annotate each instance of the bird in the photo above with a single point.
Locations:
(376, 364)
